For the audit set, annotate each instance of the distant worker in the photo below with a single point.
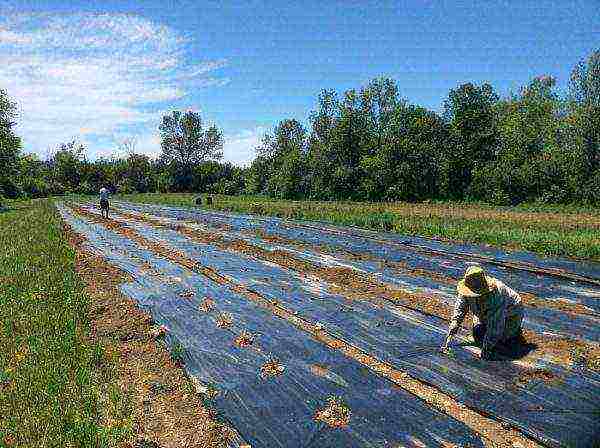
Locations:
(497, 312)
(104, 202)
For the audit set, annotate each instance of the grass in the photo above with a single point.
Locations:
(566, 231)
(48, 368)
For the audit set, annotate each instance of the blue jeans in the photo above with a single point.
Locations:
(479, 335)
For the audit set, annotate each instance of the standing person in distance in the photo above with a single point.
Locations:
(104, 202)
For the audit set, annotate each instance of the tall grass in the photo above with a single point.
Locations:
(49, 388)
(546, 230)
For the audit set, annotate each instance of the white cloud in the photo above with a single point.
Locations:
(93, 76)
(239, 148)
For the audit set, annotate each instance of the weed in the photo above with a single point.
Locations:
(272, 367)
(177, 353)
(244, 339)
(336, 414)
(207, 305)
(224, 320)
(187, 294)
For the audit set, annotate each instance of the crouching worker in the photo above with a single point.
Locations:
(497, 312)
(104, 202)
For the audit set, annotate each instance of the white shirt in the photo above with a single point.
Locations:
(502, 312)
(104, 194)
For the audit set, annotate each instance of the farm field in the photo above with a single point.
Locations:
(309, 334)
(551, 230)
(78, 366)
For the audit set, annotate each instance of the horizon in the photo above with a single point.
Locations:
(102, 74)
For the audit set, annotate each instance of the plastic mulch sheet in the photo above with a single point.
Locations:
(270, 411)
(545, 287)
(563, 410)
(361, 241)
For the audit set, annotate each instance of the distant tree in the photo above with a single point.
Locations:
(33, 177)
(528, 146)
(407, 165)
(584, 116)
(128, 146)
(285, 151)
(257, 175)
(137, 174)
(10, 147)
(470, 114)
(185, 143)
(378, 102)
(321, 146)
(68, 166)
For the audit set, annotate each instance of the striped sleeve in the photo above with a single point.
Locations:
(460, 311)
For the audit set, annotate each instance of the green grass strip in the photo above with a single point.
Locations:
(48, 385)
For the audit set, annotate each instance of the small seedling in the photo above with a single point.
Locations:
(188, 294)
(245, 339)
(272, 367)
(207, 305)
(224, 320)
(336, 414)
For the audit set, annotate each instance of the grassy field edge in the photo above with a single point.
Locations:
(78, 364)
(50, 392)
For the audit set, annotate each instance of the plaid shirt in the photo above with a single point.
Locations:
(501, 311)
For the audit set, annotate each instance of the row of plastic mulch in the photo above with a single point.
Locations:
(270, 411)
(556, 412)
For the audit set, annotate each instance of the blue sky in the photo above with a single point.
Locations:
(106, 71)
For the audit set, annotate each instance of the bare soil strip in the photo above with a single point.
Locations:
(495, 433)
(165, 407)
(358, 286)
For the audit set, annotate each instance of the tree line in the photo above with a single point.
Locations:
(367, 144)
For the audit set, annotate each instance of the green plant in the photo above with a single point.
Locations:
(177, 353)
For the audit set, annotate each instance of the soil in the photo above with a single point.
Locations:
(166, 411)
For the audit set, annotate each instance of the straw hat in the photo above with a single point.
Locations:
(475, 283)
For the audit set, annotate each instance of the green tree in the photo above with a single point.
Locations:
(407, 165)
(185, 143)
(320, 157)
(10, 147)
(67, 165)
(470, 113)
(33, 176)
(527, 163)
(285, 151)
(584, 124)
